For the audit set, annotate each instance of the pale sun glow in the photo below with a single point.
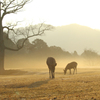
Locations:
(61, 12)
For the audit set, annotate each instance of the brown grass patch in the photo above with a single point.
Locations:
(82, 86)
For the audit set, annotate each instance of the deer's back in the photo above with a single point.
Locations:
(71, 65)
(51, 61)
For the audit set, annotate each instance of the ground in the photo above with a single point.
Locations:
(36, 85)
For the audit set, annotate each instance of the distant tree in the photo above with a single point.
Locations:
(40, 48)
(26, 47)
(75, 54)
(58, 51)
(8, 42)
(9, 7)
(39, 44)
(91, 57)
(89, 53)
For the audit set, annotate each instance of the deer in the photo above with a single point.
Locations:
(69, 66)
(51, 63)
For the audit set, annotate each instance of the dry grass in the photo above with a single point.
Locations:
(37, 86)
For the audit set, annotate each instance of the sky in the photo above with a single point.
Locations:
(60, 12)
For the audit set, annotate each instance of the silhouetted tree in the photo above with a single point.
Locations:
(9, 7)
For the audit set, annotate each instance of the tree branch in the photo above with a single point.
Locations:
(29, 32)
(12, 6)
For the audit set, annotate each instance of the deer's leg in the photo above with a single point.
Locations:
(49, 73)
(53, 75)
(73, 71)
(76, 70)
(53, 72)
(70, 71)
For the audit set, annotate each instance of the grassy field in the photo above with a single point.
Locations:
(36, 85)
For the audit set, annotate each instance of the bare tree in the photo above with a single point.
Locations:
(9, 7)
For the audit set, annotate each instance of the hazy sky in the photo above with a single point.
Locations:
(61, 12)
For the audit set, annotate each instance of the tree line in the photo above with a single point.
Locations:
(40, 48)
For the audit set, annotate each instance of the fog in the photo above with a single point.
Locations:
(72, 40)
(32, 64)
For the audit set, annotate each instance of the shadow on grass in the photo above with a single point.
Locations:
(19, 72)
(38, 83)
(32, 85)
(13, 72)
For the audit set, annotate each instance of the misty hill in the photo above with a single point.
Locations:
(74, 37)
(39, 50)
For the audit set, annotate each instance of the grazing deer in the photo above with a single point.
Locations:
(51, 62)
(72, 65)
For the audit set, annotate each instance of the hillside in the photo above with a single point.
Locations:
(73, 37)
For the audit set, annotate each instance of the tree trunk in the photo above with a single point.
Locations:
(1, 48)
